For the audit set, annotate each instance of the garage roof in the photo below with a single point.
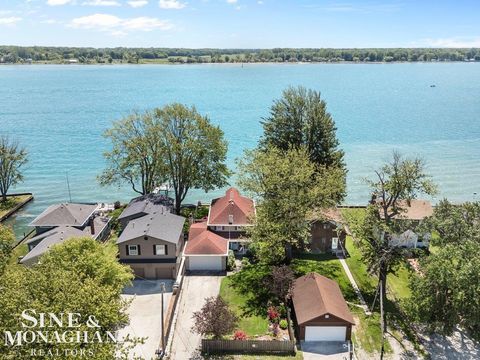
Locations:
(201, 241)
(315, 295)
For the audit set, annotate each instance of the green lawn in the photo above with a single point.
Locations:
(250, 323)
(11, 202)
(328, 266)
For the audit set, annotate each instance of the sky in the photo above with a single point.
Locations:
(240, 23)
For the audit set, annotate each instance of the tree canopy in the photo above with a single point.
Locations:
(79, 276)
(173, 144)
(12, 158)
(7, 238)
(215, 318)
(299, 119)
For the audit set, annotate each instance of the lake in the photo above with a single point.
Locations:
(60, 112)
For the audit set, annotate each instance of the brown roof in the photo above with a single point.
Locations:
(232, 205)
(418, 210)
(201, 241)
(331, 214)
(315, 295)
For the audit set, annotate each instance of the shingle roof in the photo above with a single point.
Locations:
(330, 214)
(416, 210)
(315, 295)
(65, 214)
(201, 241)
(59, 234)
(145, 204)
(159, 225)
(233, 205)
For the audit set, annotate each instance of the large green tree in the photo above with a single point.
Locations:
(78, 276)
(7, 238)
(13, 157)
(299, 119)
(287, 186)
(396, 184)
(173, 144)
(193, 150)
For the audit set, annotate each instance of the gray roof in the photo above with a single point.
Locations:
(61, 233)
(146, 204)
(65, 214)
(160, 225)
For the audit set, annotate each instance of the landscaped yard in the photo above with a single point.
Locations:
(11, 202)
(250, 323)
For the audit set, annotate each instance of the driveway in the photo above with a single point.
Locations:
(145, 315)
(194, 291)
(328, 350)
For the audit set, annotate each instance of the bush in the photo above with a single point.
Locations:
(273, 314)
(245, 262)
(231, 261)
(239, 335)
(283, 324)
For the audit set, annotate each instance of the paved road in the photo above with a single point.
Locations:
(194, 291)
(145, 315)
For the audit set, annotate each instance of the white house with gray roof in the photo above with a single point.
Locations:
(61, 222)
(151, 241)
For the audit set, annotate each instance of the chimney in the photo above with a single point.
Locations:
(92, 226)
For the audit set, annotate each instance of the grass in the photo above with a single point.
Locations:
(250, 323)
(328, 266)
(367, 332)
(297, 356)
(12, 201)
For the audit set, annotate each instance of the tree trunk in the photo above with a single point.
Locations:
(4, 197)
(178, 203)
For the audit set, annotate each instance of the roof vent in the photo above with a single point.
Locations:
(230, 219)
(327, 316)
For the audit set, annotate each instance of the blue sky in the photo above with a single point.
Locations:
(240, 23)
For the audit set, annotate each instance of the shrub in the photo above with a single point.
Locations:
(239, 335)
(283, 324)
(273, 314)
(245, 262)
(275, 330)
(231, 261)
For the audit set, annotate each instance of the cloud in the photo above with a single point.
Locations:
(137, 3)
(357, 8)
(118, 26)
(101, 3)
(58, 2)
(260, 2)
(232, 1)
(453, 42)
(49, 21)
(12, 20)
(171, 4)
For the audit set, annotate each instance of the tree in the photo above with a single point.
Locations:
(280, 282)
(288, 186)
(7, 238)
(447, 294)
(215, 319)
(78, 276)
(136, 155)
(12, 158)
(300, 119)
(396, 184)
(194, 150)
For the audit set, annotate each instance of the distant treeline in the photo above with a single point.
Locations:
(41, 54)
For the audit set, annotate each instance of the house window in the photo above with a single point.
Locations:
(132, 250)
(326, 226)
(160, 249)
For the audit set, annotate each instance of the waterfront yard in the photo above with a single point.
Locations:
(11, 203)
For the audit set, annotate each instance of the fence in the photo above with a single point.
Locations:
(248, 346)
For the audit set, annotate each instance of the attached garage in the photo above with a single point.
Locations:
(205, 250)
(139, 272)
(320, 311)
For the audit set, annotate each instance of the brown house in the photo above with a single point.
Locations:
(152, 244)
(320, 310)
(327, 232)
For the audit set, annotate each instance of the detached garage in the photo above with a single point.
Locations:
(320, 310)
(205, 250)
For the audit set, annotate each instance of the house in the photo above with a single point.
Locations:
(64, 221)
(413, 212)
(151, 241)
(327, 232)
(209, 241)
(320, 310)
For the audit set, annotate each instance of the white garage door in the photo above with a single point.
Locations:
(325, 333)
(205, 263)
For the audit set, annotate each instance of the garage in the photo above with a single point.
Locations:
(139, 272)
(325, 333)
(319, 310)
(212, 263)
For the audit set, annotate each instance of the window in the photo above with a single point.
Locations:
(133, 250)
(160, 249)
(326, 226)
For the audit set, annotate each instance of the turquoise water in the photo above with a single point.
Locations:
(60, 113)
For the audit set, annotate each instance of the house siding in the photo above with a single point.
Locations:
(321, 239)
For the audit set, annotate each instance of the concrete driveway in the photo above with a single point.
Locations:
(194, 291)
(328, 350)
(145, 315)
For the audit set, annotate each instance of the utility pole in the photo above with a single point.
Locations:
(162, 288)
(68, 187)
